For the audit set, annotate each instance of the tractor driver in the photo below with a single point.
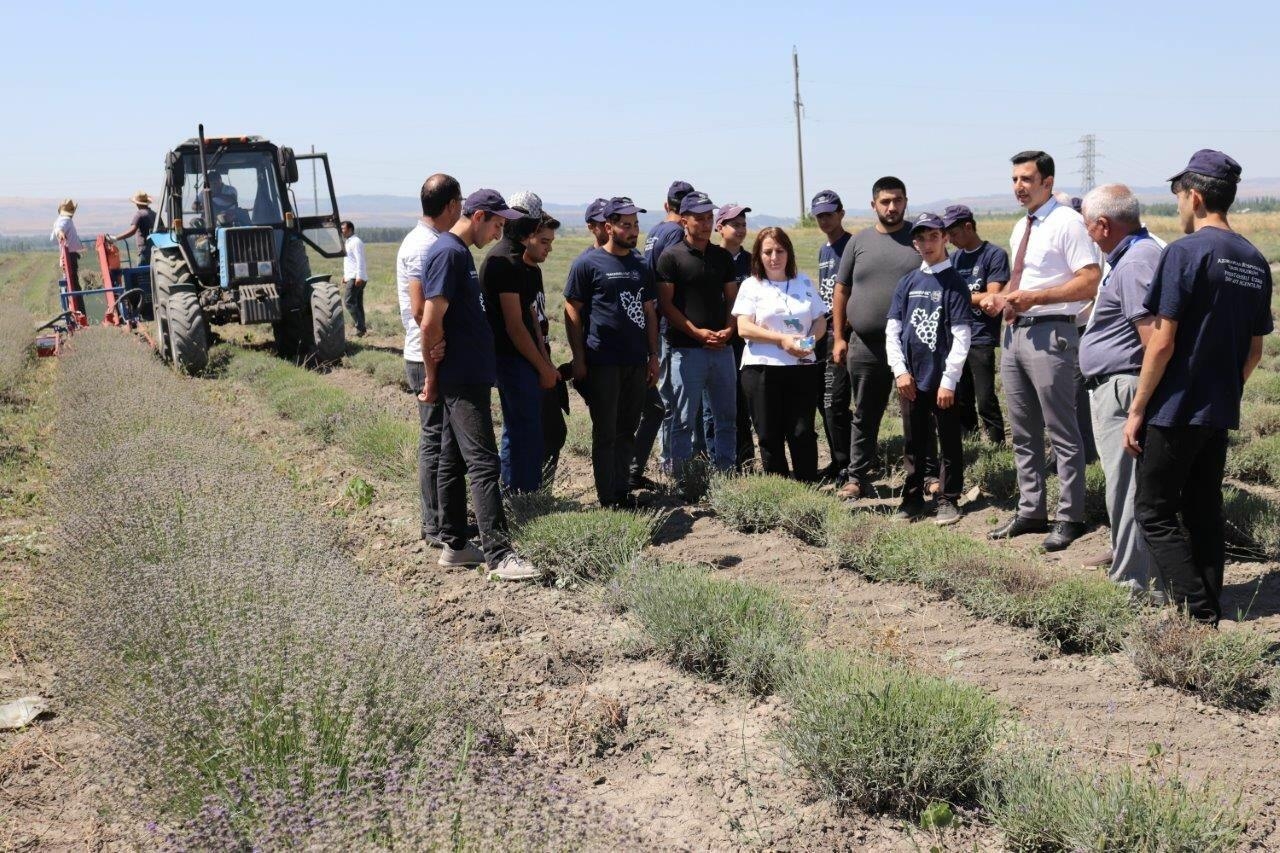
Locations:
(225, 200)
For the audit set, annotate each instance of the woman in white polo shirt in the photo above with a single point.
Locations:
(780, 316)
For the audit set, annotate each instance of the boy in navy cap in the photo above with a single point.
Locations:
(837, 418)
(462, 382)
(985, 269)
(1211, 297)
(696, 289)
(657, 405)
(612, 323)
(927, 334)
(595, 222)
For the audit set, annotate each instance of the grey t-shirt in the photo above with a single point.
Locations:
(870, 269)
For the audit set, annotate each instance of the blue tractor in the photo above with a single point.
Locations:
(230, 246)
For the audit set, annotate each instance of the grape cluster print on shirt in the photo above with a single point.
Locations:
(634, 306)
(925, 325)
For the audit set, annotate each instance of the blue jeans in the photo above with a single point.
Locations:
(693, 372)
(521, 451)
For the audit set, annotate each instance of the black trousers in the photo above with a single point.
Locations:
(924, 428)
(976, 400)
(783, 401)
(1180, 488)
(468, 451)
(615, 396)
(554, 430)
(837, 418)
(870, 382)
(354, 300)
(430, 428)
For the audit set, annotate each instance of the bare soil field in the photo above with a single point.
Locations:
(697, 763)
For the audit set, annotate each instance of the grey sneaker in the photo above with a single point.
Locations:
(948, 512)
(461, 557)
(513, 568)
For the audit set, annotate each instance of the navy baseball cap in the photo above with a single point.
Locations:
(696, 202)
(620, 205)
(1212, 164)
(678, 190)
(927, 221)
(595, 210)
(729, 211)
(955, 213)
(825, 202)
(490, 201)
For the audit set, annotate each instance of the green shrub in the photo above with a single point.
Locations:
(578, 425)
(1255, 460)
(1042, 803)
(1263, 386)
(17, 336)
(994, 473)
(585, 545)
(721, 629)
(880, 737)
(1258, 419)
(387, 368)
(383, 442)
(1223, 667)
(1252, 522)
(1084, 614)
(757, 503)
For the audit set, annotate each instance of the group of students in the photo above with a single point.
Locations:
(700, 345)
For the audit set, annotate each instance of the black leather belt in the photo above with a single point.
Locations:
(1022, 321)
(1091, 382)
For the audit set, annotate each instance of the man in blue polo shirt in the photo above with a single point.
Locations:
(696, 289)
(1211, 297)
(985, 269)
(462, 382)
(612, 324)
(837, 418)
(1110, 358)
(657, 413)
(927, 332)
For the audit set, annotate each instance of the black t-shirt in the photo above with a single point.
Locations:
(699, 278)
(503, 270)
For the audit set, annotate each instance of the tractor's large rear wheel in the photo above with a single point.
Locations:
(293, 332)
(328, 323)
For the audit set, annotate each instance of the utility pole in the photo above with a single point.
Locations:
(315, 187)
(799, 104)
(1088, 156)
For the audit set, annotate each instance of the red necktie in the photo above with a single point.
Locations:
(1019, 263)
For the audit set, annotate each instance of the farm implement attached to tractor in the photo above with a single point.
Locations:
(124, 299)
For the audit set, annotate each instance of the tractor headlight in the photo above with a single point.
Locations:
(240, 270)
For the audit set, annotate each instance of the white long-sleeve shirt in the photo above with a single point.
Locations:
(353, 264)
(66, 225)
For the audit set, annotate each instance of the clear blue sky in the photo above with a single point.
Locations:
(579, 100)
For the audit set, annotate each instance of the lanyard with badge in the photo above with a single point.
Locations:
(790, 321)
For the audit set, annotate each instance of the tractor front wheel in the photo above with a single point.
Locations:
(328, 323)
(188, 332)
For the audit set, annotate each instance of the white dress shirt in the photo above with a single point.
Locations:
(410, 262)
(66, 225)
(1058, 249)
(353, 264)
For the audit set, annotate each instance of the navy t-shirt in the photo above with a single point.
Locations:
(978, 268)
(613, 290)
(828, 266)
(449, 271)
(663, 235)
(928, 305)
(741, 264)
(1218, 287)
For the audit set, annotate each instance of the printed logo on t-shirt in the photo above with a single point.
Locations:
(482, 305)
(632, 304)
(1241, 273)
(925, 324)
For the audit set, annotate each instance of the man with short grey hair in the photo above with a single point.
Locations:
(1111, 353)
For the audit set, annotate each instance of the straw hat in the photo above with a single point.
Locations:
(141, 197)
(67, 207)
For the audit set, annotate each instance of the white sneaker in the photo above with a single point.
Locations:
(513, 568)
(461, 557)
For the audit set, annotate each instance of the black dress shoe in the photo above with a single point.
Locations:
(1017, 526)
(1064, 533)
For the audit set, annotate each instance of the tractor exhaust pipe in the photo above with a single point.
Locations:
(207, 194)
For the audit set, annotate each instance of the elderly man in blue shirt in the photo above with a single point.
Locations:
(1110, 360)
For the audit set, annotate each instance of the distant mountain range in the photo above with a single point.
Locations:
(33, 217)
